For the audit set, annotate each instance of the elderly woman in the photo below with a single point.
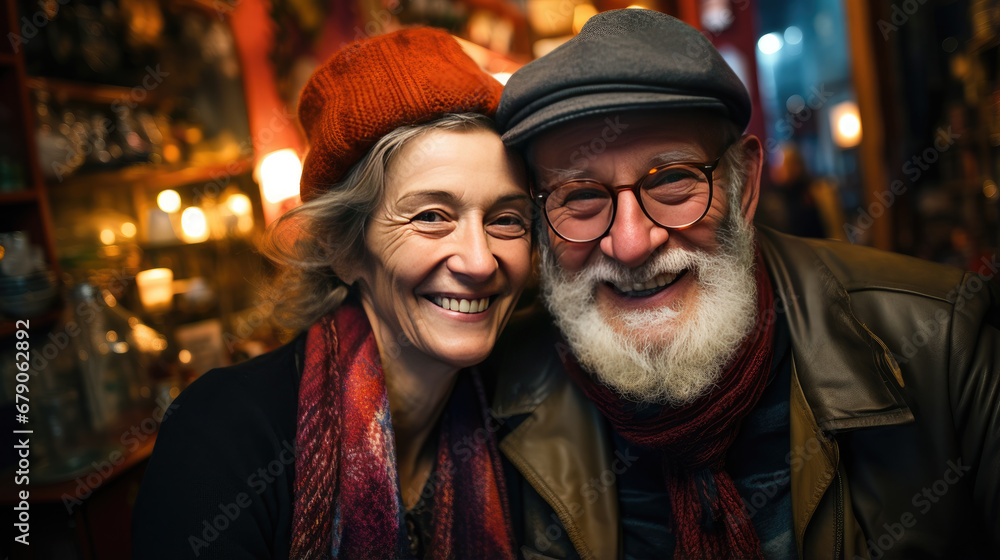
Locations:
(363, 438)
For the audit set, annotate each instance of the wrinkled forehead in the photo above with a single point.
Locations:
(590, 142)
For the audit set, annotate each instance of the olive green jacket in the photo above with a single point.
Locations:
(894, 414)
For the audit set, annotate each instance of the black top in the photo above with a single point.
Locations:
(220, 481)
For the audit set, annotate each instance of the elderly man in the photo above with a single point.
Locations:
(700, 388)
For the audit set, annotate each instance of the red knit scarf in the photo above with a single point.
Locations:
(347, 498)
(708, 515)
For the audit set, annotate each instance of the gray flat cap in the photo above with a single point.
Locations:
(621, 60)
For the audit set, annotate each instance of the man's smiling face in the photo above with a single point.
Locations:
(654, 312)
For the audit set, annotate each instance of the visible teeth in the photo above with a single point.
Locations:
(656, 282)
(462, 305)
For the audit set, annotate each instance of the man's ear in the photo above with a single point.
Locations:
(753, 156)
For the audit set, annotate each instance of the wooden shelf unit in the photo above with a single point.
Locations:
(23, 210)
(9, 327)
(86, 91)
(156, 177)
(95, 527)
(19, 197)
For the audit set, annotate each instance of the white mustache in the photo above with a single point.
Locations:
(607, 270)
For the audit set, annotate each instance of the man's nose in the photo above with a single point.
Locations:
(633, 237)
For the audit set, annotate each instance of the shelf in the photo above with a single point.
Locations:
(219, 8)
(84, 91)
(120, 458)
(19, 197)
(8, 327)
(156, 177)
(210, 242)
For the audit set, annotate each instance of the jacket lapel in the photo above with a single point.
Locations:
(843, 378)
(561, 449)
(849, 378)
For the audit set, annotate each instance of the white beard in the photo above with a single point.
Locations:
(666, 355)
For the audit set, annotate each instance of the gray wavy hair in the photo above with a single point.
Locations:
(309, 243)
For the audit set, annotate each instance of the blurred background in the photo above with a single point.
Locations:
(146, 144)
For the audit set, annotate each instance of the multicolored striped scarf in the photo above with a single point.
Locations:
(708, 516)
(347, 497)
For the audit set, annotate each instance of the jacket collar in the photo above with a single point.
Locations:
(561, 448)
(849, 377)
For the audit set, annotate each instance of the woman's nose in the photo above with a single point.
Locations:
(472, 256)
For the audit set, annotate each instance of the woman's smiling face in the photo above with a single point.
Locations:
(449, 249)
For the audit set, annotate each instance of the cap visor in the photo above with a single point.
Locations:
(567, 110)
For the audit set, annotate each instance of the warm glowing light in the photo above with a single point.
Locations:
(193, 135)
(107, 236)
(849, 125)
(845, 120)
(543, 47)
(769, 44)
(637, 7)
(581, 14)
(128, 229)
(171, 153)
(279, 175)
(111, 336)
(184, 356)
(239, 204)
(194, 225)
(502, 77)
(156, 288)
(169, 201)
(990, 190)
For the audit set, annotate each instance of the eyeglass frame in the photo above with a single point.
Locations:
(707, 169)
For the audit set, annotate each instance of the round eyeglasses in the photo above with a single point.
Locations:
(673, 195)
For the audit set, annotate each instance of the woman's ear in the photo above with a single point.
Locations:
(348, 272)
(352, 266)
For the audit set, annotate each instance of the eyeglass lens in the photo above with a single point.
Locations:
(672, 196)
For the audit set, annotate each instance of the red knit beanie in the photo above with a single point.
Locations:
(370, 88)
